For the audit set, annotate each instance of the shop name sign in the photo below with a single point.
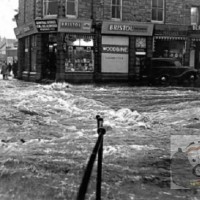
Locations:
(70, 25)
(46, 25)
(115, 49)
(66, 25)
(127, 28)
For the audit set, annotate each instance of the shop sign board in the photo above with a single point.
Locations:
(114, 49)
(74, 26)
(46, 25)
(170, 30)
(115, 54)
(142, 29)
(25, 30)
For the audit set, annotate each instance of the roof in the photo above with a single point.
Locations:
(8, 43)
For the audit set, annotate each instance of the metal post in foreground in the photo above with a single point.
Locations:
(101, 132)
(98, 148)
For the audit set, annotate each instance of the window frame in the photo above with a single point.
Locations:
(76, 9)
(157, 8)
(197, 16)
(116, 19)
(44, 6)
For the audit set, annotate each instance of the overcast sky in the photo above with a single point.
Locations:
(7, 13)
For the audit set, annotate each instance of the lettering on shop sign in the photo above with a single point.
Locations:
(115, 49)
(70, 25)
(128, 28)
(28, 28)
(196, 27)
(46, 25)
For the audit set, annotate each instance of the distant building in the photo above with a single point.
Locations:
(8, 50)
(103, 40)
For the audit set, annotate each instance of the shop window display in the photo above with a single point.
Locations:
(79, 55)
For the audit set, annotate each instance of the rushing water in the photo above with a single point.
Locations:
(48, 132)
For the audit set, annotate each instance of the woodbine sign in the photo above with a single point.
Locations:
(115, 49)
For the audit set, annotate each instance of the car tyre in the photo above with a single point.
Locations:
(164, 80)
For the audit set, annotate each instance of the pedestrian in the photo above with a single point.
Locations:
(4, 71)
(9, 69)
(15, 69)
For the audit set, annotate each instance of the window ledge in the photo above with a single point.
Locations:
(50, 17)
(157, 22)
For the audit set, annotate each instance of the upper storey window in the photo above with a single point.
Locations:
(158, 10)
(194, 16)
(72, 8)
(50, 7)
(117, 9)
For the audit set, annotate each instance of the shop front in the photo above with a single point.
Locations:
(194, 35)
(27, 49)
(124, 46)
(76, 56)
(170, 41)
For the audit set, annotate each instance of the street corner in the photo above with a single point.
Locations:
(185, 162)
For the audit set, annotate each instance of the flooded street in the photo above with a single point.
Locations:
(48, 132)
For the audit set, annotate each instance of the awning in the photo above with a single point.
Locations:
(196, 39)
(169, 38)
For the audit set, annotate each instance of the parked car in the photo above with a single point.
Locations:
(167, 71)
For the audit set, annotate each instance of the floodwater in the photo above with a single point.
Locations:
(48, 132)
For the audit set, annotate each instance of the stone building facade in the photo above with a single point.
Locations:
(103, 40)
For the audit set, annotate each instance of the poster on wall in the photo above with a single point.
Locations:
(115, 54)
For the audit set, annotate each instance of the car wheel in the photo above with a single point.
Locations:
(191, 79)
(164, 80)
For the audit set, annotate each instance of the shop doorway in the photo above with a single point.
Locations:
(50, 60)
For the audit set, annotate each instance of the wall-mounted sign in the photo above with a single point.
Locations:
(25, 30)
(115, 49)
(46, 25)
(170, 30)
(126, 28)
(71, 26)
(115, 54)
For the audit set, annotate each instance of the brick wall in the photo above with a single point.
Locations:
(176, 12)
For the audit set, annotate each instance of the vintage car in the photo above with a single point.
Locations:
(166, 71)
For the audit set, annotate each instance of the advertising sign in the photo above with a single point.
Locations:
(115, 54)
(46, 25)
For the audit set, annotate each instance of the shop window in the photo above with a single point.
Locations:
(116, 9)
(71, 8)
(79, 55)
(50, 7)
(194, 16)
(158, 10)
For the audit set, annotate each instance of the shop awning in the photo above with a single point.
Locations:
(169, 38)
(196, 39)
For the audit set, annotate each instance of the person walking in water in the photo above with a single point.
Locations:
(4, 71)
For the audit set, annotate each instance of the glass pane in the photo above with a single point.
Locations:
(118, 2)
(51, 7)
(160, 3)
(160, 15)
(71, 8)
(116, 12)
(154, 3)
(154, 14)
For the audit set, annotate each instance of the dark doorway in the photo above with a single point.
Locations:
(50, 51)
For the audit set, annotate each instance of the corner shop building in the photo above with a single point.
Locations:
(71, 50)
